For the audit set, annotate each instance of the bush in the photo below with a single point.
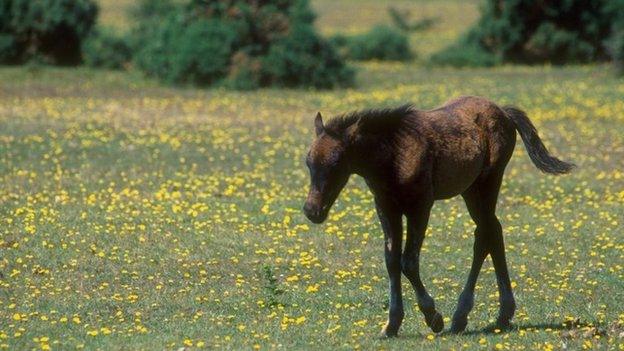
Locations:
(380, 43)
(464, 54)
(303, 58)
(9, 52)
(195, 54)
(528, 31)
(616, 47)
(148, 16)
(615, 43)
(106, 49)
(150, 9)
(50, 31)
(240, 44)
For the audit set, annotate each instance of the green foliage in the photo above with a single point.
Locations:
(197, 53)
(616, 47)
(149, 16)
(50, 31)
(271, 287)
(615, 43)
(106, 49)
(464, 54)
(550, 43)
(536, 32)
(237, 44)
(303, 58)
(9, 51)
(150, 9)
(380, 43)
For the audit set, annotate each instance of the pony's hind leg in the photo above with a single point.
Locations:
(466, 298)
(417, 221)
(481, 200)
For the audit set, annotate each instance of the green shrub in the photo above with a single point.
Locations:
(197, 53)
(615, 43)
(558, 46)
(241, 44)
(304, 59)
(9, 52)
(380, 43)
(50, 31)
(616, 47)
(106, 49)
(464, 54)
(150, 9)
(149, 16)
(527, 31)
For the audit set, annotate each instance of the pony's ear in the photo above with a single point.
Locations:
(353, 131)
(318, 124)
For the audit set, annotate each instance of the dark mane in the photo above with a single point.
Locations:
(371, 120)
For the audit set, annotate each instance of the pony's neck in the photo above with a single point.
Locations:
(372, 135)
(370, 156)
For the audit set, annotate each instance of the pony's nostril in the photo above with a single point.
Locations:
(314, 213)
(309, 210)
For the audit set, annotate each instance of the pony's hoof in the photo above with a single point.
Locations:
(387, 335)
(503, 324)
(436, 323)
(389, 332)
(458, 326)
(384, 336)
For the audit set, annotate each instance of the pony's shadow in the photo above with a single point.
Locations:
(514, 328)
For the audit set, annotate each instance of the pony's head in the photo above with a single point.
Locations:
(329, 169)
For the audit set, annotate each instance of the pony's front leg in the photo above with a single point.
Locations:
(417, 221)
(393, 233)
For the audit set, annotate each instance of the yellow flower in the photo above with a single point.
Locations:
(312, 288)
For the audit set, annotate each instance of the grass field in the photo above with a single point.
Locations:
(136, 216)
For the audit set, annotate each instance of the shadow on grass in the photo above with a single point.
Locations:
(493, 329)
(569, 329)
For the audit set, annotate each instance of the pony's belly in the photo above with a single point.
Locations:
(453, 174)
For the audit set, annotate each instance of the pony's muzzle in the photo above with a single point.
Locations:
(314, 213)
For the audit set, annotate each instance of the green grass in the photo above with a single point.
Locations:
(136, 216)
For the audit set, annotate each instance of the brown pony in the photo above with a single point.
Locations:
(410, 158)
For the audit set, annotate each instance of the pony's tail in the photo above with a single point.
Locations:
(538, 153)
